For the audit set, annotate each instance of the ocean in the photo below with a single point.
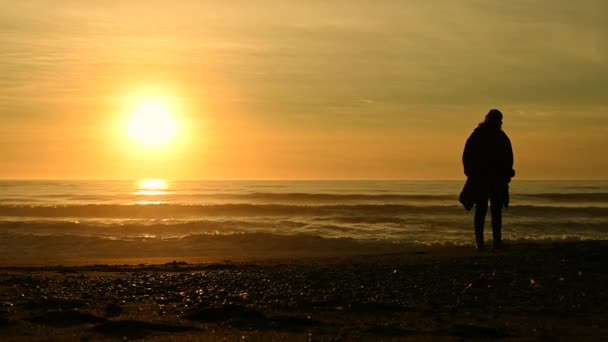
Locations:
(151, 216)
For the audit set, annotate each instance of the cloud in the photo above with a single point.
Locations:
(402, 52)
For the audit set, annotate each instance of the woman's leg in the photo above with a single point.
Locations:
(496, 211)
(481, 208)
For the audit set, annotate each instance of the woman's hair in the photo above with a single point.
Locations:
(494, 118)
(494, 115)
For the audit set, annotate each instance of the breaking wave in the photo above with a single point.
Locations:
(182, 211)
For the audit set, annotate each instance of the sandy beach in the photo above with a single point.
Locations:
(554, 290)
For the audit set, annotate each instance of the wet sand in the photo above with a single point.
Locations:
(553, 290)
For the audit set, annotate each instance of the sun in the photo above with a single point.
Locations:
(152, 124)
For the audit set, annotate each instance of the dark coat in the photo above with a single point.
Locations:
(488, 164)
(468, 195)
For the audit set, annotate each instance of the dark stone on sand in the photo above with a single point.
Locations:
(388, 331)
(66, 318)
(472, 331)
(176, 263)
(224, 313)
(371, 308)
(65, 270)
(113, 310)
(132, 329)
(5, 308)
(4, 322)
(292, 323)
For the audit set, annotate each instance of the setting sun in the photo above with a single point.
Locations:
(152, 123)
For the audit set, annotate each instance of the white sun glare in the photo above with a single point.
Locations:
(152, 123)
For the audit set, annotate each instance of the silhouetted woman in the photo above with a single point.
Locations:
(488, 165)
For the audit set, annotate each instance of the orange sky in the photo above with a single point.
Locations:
(301, 90)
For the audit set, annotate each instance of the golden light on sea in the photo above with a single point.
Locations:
(152, 187)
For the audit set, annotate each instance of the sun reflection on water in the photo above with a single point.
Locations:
(152, 187)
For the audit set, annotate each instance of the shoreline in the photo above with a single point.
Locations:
(529, 290)
(66, 250)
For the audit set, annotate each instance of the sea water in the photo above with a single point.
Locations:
(418, 212)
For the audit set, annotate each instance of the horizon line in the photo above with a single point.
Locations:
(294, 179)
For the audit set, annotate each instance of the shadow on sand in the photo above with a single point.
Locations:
(246, 318)
(66, 318)
(132, 329)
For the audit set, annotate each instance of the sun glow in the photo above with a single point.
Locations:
(152, 123)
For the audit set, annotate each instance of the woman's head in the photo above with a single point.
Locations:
(494, 118)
